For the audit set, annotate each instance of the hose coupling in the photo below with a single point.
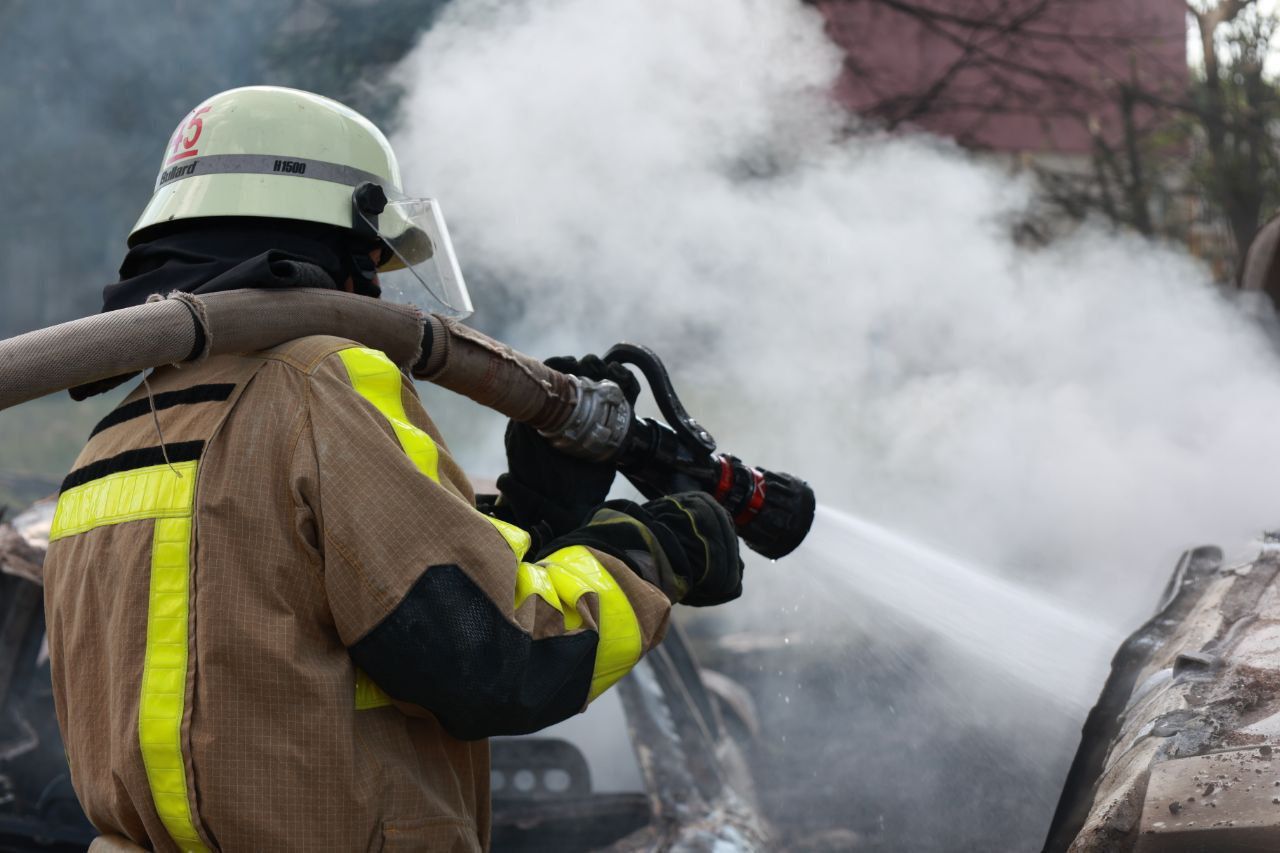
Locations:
(598, 424)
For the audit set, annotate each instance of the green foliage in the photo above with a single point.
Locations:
(1238, 110)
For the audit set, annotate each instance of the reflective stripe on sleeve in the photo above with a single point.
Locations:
(368, 694)
(378, 380)
(574, 571)
(563, 578)
(560, 580)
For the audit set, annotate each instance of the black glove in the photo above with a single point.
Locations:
(549, 490)
(684, 544)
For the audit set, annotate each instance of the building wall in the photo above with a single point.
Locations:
(1046, 85)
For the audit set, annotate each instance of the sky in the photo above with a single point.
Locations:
(1196, 55)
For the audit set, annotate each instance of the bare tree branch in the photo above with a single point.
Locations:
(1146, 130)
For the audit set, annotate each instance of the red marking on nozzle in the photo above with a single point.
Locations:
(757, 500)
(726, 480)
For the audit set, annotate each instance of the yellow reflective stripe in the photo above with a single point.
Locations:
(164, 678)
(166, 494)
(376, 379)
(532, 579)
(368, 694)
(574, 571)
(559, 580)
(152, 492)
(518, 539)
(564, 577)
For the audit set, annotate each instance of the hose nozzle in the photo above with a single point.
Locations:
(771, 511)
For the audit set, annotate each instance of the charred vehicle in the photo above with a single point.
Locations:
(655, 764)
(1181, 751)
(38, 808)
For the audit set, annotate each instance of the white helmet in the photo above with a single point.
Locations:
(268, 151)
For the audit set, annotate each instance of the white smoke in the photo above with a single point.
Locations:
(849, 309)
(853, 310)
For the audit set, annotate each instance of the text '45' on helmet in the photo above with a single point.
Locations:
(268, 151)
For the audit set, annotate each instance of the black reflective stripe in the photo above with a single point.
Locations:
(448, 648)
(216, 393)
(144, 457)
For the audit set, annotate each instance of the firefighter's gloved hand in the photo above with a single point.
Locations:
(545, 488)
(684, 544)
(700, 541)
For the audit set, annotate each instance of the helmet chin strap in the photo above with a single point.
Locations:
(364, 274)
(367, 203)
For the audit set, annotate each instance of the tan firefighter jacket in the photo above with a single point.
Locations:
(227, 625)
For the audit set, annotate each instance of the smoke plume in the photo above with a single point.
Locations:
(850, 308)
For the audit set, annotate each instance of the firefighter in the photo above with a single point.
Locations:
(277, 619)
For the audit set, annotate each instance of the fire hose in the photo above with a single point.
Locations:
(592, 420)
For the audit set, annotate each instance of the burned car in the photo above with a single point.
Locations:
(654, 765)
(1180, 753)
(38, 808)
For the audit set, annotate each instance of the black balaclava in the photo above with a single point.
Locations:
(230, 253)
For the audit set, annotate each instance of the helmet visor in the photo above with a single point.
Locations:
(423, 270)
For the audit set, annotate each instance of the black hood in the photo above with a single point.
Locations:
(233, 253)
